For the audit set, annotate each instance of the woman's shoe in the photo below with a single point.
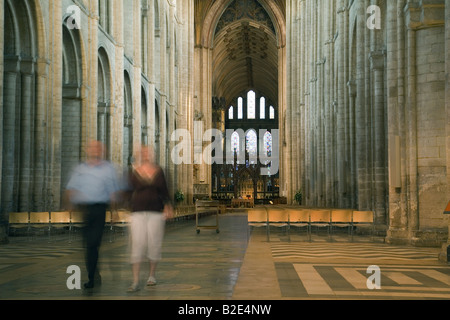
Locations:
(133, 288)
(151, 281)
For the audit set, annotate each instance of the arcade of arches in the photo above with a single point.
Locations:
(358, 117)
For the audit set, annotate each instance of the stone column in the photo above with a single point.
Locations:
(377, 65)
(291, 99)
(9, 141)
(55, 98)
(40, 135)
(117, 107)
(411, 126)
(151, 74)
(342, 109)
(395, 121)
(3, 218)
(352, 143)
(90, 80)
(185, 93)
(443, 253)
(360, 110)
(26, 127)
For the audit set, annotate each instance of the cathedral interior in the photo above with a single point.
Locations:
(351, 96)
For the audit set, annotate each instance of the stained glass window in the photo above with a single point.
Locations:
(251, 143)
(251, 105)
(231, 113)
(262, 108)
(268, 143)
(235, 143)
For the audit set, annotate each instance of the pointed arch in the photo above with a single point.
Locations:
(128, 121)
(104, 93)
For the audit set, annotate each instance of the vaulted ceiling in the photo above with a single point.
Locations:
(245, 57)
(245, 52)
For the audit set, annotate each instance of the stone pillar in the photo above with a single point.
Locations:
(443, 253)
(55, 104)
(26, 127)
(395, 121)
(9, 141)
(3, 218)
(377, 65)
(352, 143)
(411, 132)
(185, 111)
(117, 108)
(360, 111)
(342, 116)
(40, 135)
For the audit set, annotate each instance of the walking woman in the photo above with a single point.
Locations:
(151, 207)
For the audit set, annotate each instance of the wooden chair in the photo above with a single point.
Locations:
(40, 221)
(320, 219)
(257, 218)
(60, 220)
(120, 220)
(364, 219)
(18, 221)
(278, 217)
(108, 223)
(77, 222)
(300, 218)
(341, 218)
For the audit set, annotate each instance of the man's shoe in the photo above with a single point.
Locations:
(89, 285)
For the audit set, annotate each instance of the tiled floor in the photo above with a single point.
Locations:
(234, 264)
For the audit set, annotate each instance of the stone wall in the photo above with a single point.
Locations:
(51, 105)
(358, 90)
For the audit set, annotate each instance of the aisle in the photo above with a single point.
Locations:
(195, 266)
(231, 265)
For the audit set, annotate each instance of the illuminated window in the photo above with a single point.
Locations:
(235, 143)
(251, 105)
(262, 108)
(231, 113)
(272, 113)
(251, 143)
(240, 108)
(268, 143)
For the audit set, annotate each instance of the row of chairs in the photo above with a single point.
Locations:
(288, 217)
(61, 220)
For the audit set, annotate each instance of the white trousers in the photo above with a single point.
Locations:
(147, 233)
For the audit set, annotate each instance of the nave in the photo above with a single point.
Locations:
(235, 264)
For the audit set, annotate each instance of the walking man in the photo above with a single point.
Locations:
(92, 187)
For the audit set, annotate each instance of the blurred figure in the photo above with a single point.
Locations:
(92, 188)
(150, 206)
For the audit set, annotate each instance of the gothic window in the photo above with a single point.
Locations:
(251, 140)
(104, 14)
(262, 108)
(240, 108)
(268, 143)
(235, 143)
(231, 113)
(251, 105)
(272, 113)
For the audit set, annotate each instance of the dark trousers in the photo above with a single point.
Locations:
(95, 223)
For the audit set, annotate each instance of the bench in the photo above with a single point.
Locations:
(207, 206)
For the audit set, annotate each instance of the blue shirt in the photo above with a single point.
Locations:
(93, 184)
